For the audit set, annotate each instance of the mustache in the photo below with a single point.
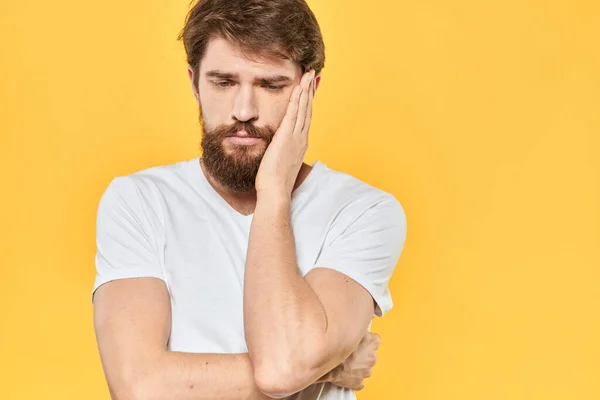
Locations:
(222, 131)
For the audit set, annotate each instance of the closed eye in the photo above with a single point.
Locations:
(223, 84)
(226, 84)
(274, 88)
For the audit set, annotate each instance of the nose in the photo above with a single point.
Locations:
(245, 107)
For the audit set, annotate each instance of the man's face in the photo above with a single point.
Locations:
(243, 98)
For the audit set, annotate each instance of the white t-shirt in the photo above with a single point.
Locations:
(169, 223)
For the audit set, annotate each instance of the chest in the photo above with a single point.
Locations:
(205, 256)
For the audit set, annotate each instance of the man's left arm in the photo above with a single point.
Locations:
(298, 328)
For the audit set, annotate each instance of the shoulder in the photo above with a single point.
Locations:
(355, 197)
(143, 192)
(151, 183)
(161, 176)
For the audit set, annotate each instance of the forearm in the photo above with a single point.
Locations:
(284, 319)
(196, 376)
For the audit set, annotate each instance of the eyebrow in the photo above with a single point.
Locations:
(267, 79)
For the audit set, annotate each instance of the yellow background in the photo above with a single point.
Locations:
(482, 117)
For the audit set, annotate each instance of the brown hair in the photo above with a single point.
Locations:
(268, 28)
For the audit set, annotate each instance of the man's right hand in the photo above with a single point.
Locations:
(358, 366)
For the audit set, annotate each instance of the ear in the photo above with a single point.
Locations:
(317, 82)
(194, 78)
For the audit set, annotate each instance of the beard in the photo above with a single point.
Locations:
(237, 166)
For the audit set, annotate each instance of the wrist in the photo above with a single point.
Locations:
(273, 198)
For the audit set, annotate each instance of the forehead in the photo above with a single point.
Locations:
(224, 56)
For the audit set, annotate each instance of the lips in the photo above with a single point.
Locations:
(243, 140)
(243, 134)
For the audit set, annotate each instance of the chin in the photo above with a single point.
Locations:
(244, 149)
(244, 153)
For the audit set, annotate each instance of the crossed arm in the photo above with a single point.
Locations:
(315, 322)
(309, 326)
(132, 318)
(297, 328)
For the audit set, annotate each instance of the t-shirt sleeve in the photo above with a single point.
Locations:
(368, 249)
(129, 234)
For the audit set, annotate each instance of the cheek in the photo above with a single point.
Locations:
(206, 96)
(212, 105)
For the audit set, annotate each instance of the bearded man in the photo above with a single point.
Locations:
(244, 273)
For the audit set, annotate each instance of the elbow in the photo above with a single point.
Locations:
(134, 388)
(132, 391)
(139, 390)
(123, 391)
(281, 373)
(275, 383)
(135, 378)
(282, 379)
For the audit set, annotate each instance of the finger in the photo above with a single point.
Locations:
(360, 387)
(302, 103)
(376, 338)
(310, 96)
(305, 83)
(308, 118)
(291, 113)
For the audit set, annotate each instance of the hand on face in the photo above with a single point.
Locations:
(283, 158)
